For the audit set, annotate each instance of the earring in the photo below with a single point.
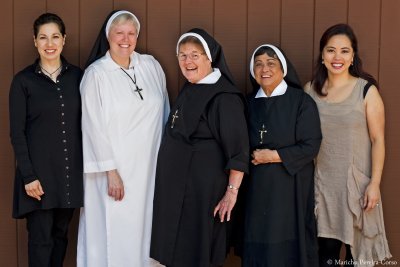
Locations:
(322, 62)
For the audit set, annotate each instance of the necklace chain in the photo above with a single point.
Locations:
(50, 73)
(138, 90)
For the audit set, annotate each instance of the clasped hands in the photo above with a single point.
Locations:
(262, 156)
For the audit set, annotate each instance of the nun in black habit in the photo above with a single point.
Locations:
(285, 136)
(203, 156)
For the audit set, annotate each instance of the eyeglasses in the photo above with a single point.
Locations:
(270, 64)
(192, 56)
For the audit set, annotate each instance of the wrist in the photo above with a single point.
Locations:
(276, 156)
(374, 182)
(233, 188)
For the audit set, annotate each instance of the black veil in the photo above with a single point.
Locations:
(217, 54)
(101, 45)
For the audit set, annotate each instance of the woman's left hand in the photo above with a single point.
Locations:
(226, 205)
(372, 196)
(262, 156)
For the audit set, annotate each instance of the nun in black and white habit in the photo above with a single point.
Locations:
(202, 158)
(285, 136)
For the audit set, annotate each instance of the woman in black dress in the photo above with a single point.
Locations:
(285, 136)
(45, 117)
(202, 159)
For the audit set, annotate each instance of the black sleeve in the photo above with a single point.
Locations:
(18, 115)
(227, 122)
(308, 137)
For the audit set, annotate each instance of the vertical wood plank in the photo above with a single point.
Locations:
(69, 13)
(327, 13)
(264, 27)
(139, 8)
(92, 16)
(230, 30)
(24, 54)
(163, 30)
(389, 70)
(368, 36)
(24, 15)
(196, 14)
(297, 35)
(8, 228)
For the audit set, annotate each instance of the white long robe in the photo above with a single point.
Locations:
(120, 131)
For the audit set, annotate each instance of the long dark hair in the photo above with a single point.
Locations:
(356, 69)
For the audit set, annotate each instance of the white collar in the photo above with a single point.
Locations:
(279, 90)
(112, 65)
(211, 78)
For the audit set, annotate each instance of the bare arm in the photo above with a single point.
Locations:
(375, 114)
(228, 201)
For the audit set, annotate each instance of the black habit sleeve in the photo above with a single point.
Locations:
(18, 114)
(308, 137)
(227, 122)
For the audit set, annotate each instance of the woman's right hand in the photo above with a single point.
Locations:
(115, 185)
(34, 189)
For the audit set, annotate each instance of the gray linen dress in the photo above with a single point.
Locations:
(342, 173)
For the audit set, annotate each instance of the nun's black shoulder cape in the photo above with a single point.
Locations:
(207, 138)
(279, 227)
(101, 45)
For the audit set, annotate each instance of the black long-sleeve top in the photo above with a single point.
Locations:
(45, 124)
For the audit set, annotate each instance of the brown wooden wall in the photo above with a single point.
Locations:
(240, 26)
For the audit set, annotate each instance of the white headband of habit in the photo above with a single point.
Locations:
(198, 36)
(277, 52)
(116, 14)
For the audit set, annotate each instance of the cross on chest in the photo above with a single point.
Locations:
(262, 131)
(174, 117)
(138, 91)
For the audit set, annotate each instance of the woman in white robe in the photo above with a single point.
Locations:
(124, 107)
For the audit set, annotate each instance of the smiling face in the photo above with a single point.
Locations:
(338, 54)
(122, 38)
(193, 62)
(49, 42)
(267, 72)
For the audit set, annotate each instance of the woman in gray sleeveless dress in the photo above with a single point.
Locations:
(349, 165)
